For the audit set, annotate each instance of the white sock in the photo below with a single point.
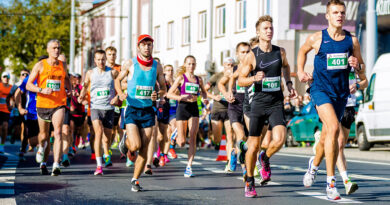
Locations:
(314, 168)
(133, 179)
(56, 165)
(344, 175)
(99, 161)
(188, 167)
(329, 180)
(40, 148)
(43, 163)
(155, 155)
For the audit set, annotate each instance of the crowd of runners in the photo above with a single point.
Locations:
(146, 109)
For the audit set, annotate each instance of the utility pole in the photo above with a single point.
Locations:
(72, 36)
(372, 36)
(130, 29)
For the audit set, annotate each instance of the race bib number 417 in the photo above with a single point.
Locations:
(143, 92)
(337, 61)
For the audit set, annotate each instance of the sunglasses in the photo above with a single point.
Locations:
(5, 77)
(24, 74)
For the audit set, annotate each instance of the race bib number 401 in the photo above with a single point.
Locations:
(271, 84)
(143, 92)
(54, 84)
(192, 88)
(337, 61)
(102, 92)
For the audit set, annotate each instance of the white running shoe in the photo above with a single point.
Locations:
(310, 177)
(350, 187)
(40, 155)
(331, 191)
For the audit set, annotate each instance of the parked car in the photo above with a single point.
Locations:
(303, 127)
(372, 123)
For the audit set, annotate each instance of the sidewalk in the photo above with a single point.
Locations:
(378, 154)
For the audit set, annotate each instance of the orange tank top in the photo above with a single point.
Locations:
(4, 92)
(52, 77)
(117, 67)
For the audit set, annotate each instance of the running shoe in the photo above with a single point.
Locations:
(107, 161)
(250, 191)
(148, 170)
(56, 171)
(71, 152)
(156, 162)
(129, 163)
(162, 161)
(172, 153)
(242, 151)
(110, 152)
(2, 149)
(21, 157)
(44, 170)
(98, 171)
(265, 171)
(331, 191)
(135, 187)
(114, 145)
(166, 159)
(40, 155)
(122, 145)
(65, 163)
(188, 173)
(93, 156)
(158, 153)
(317, 136)
(350, 187)
(132, 156)
(233, 161)
(310, 176)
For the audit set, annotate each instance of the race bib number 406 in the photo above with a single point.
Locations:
(54, 84)
(143, 92)
(271, 84)
(192, 88)
(337, 61)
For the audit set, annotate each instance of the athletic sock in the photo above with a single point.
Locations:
(56, 165)
(344, 175)
(64, 157)
(330, 178)
(251, 180)
(314, 168)
(134, 179)
(99, 161)
(171, 146)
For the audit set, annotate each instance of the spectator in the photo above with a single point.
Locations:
(288, 109)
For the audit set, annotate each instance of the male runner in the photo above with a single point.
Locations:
(5, 107)
(101, 83)
(52, 87)
(266, 62)
(235, 96)
(336, 52)
(142, 73)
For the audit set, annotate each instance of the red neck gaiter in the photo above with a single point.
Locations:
(147, 63)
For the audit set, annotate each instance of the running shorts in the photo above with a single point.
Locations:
(47, 113)
(105, 116)
(186, 110)
(348, 117)
(141, 117)
(220, 116)
(274, 115)
(319, 98)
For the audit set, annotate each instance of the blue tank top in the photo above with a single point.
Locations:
(141, 86)
(331, 68)
(31, 100)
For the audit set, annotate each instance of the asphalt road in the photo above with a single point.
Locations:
(21, 183)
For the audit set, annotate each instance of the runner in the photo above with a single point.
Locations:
(29, 112)
(5, 107)
(336, 52)
(235, 96)
(219, 111)
(187, 113)
(266, 62)
(142, 73)
(101, 82)
(52, 83)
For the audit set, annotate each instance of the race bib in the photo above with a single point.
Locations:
(271, 84)
(117, 109)
(172, 103)
(54, 84)
(239, 89)
(102, 93)
(192, 88)
(337, 61)
(143, 92)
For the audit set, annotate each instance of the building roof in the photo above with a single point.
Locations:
(97, 5)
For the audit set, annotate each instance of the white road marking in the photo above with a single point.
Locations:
(7, 179)
(322, 196)
(193, 162)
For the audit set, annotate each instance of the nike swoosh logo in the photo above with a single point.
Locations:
(267, 64)
(326, 41)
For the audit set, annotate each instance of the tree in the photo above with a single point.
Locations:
(27, 25)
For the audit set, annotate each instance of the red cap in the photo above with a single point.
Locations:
(144, 37)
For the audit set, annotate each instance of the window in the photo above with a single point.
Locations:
(220, 19)
(240, 15)
(186, 31)
(202, 26)
(370, 89)
(170, 35)
(157, 38)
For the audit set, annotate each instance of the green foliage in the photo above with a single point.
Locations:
(27, 25)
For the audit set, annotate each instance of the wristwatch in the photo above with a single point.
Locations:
(357, 86)
(39, 90)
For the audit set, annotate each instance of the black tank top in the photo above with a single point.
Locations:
(268, 92)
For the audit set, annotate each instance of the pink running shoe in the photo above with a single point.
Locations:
(166, 159)
(265, 171)
(158, 152)
(250, 191)
(99, 171)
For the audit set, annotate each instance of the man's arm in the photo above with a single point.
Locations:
(245, 68)
(361, 68)
(204, 91)
(172, 90)
(33, 76)
(161, 81)
(68, 85)
(87, 81)
(286, 73)
(117, 82)
(221, 85)
(302, 56)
